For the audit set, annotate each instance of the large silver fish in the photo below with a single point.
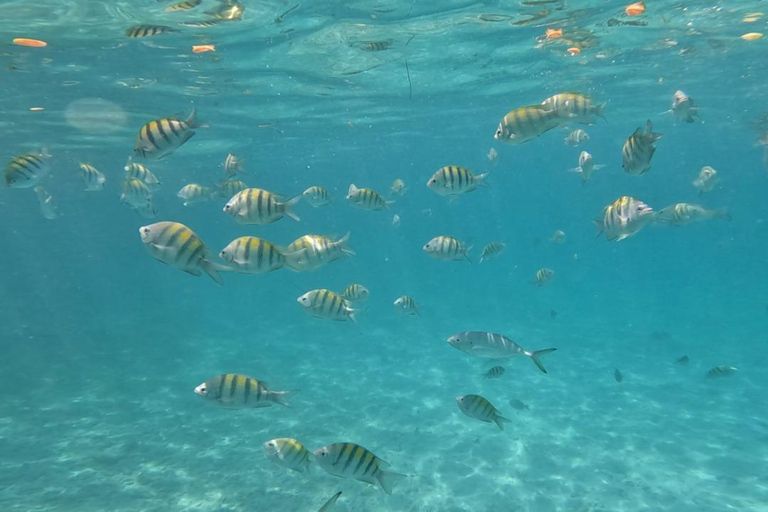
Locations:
(623, 218)
(495, 346)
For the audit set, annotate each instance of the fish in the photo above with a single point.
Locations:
(543, 276)
(186, 5)
(453, 180)
(94, 179)
(201, 23)
(47, 205)
(558, 237)
(330, 503)
(350, 460)
(552, 314)
(477, 407)
(576, 137)
(237, 391)
(252, 255)
(326, 304)
(639, 149)
(26, 171)
(366, 199)
(586, 166)
(148, 210)
(355, 293)
(233, 166)
(517, 404)
(494, 373)
(706, 180)
(141, 172)
(682, 360)
(288, 453)
(231, 10)
(526, 123)
(159, 138)
(373, 46)
(721, 371)
(624, 218)
(230, 187)
(618, 376)
(193, 193)
(396, 221)
(176, 245)
(574, 107)
(493, 156)
(492, 250)
(257, 206)
(317, 196)
(495, 346)
(447, 248)
(398, 187)
(680, 214)
(407, 305)
(311, 252)
(682, 108)
(144, 30)
(135, 193)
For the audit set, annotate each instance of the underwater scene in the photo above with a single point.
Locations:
(383, 255)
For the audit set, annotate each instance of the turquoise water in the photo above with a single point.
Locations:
(103, 346)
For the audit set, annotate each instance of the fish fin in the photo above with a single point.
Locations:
(600, 111)
(650, 133)
(288, 207)
(330, 502)
(193, 271)
(352, 313)
(480, 180)
(192, 120)
(389, 480)
(352, 190)
(599, 224)
(536, 357)
(281, 397)
(574, 169)
(500, 420)
(466, 253)
(387, 204)
(212, 269)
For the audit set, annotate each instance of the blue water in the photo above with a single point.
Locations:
(102, 345)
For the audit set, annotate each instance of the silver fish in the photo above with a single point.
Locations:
(47, 206)
(479, 408)
(350, 460)
(624, 218)
(706, 180)
(94, 179)
(683, 213)
(639, 149)
(26, 171)
(495, 346)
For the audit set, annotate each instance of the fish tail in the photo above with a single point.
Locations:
(599, 225)
(600, 111)
(192, 120)
(536, 356)
(480, 179)
(652, 136)
(500, 420)
(288, 207)
(722, 214)
(343, 244)
(212, 269)
(281, 397)
(389, 480)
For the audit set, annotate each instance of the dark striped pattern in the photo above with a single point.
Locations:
(147, 30)
(365, 198)
(186, 5)
(526, 123)
(326, 304)
(25, 171)
(253, 255)
(446, 248)
(407, 305)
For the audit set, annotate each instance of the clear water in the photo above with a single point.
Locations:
(102, 345)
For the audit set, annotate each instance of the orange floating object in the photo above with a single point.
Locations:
(635, 9)
(554, 33)
(574, 51)
(202, 48)
(752, 36)
(32, 43)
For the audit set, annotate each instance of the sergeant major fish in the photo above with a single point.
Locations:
(366, 199)
(447, 248)
(706, 180)
(230, 187)
(326, 304)
(135, 193)
(253, 255)
(350, 460)
(492, 250)
(495, 346)
(257, 206)
(586, 166)
(477, 407)
(453, 180)
(398, 187)
(145, 30)
(682, 107)
(639, 149)
(194, 193)
(624, 218)
(233, 166)
(407, 305)
(94, 179)
(161, 137)
(576, 137)
(311, 252)
(288, 453)
(721, 371)
(494, 373)
(142, 172)
(526, 123)
(543, 276)
(317, 196)
(355, 293)
(26, 171)
(237, 391)
(683, 213)
(574, 107)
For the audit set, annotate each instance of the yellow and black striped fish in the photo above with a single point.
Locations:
(161, 137)
(447, 248)
(574, 107)
(475, 406)
(135, 193)
(492, 250)
(233, 165)
(201, 23)
(623, 218)
(407, 305)
(351, 460)
(186, 5)
(453, 180)
(288, 453)
(176, 245)
(26, 171)
(366, 199)
(193, 193)
(680, 214)
(326, 304)
(317, 196)
(639, 149)
(355, 293)
(229, 188)
(142, 172)
(526, 123)
(144, 30)
(494, 373)
(543, 276)
(257, 206)
(231, 10)
(311, 252)
(94, 180)
(721, 371)
(236, 391)
(252, 255)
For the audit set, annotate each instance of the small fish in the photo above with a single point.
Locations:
(494, 373)
(493, 156)
(477, 407)
(231, 10)
(398, 187)
(141, 172)
(574, 107)
(330, 503)
(706, 180)
(237, 391)
(317, 196)
(396, 221)
(586, 166)
(159, 138)
(683, 213)
(257, 206)
(176, 245)
(373, 46)
(517, 404)
(491, 250)
(26, 171)
(576, 137)
(135, 193)
(325, 304)
(495, 346)
(618, 376)
(683, 109)
(186, 5)
(47, 206)
(407, 305)
(526, 123)
(543, 276)
(558, 237)
(288, 453)
(350, 460)
(311, 252)
(94, 180)
(194, 193)
(355, 293)
(639, 149)
(447, 248)
(147, 30)
(624, 218)
(252, 255)
(366, 199)
(721, 371)
(233, 166)
(201, 23)
(453, 180)
(682, 360)
(230, 187)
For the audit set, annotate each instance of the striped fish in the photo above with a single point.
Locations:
(526, 123)
(492, 250)
(26, 171)
(229, 188)
(495, 346)
(47, 206)
(350, 460)
(94, 180)
(135, 193)
(447, 248)
(494, 373)
(201, 23)
(178, 246)
(355, 293)
(233, 165)
(141, 172)
(288, 453)
(453, 180)
(576, 137)
(407, 305)
(317, 196)
(543, 276)
(623, 218)
(186, 5)
(574, 107)
(373, 46)
(721, 371)
(366, 199)
(311, 252)
(252, 255)
(639, 149)
(193, 193)
(161, 137)
(144, 30)
(228, 11)
(586, 166)
(330, 503)
(236, 391)
(148, 211)
(257, 206)
(477, 407)
(684, 213)
(324, 303)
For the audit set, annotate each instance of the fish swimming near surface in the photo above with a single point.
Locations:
(317, 196)
(623, 218)
(288, 453)
(159, 138)
(185, 5)
(684, 213)
(26, 171)
(253, 255)
(366, 199)
(495, 346)
(349, 460)
(638, 150)
(194, 193)
(237, 391)
(477, 407)
(146, 30)
(683, 108)
(526, 123)
(311, 252)
(142, 173)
